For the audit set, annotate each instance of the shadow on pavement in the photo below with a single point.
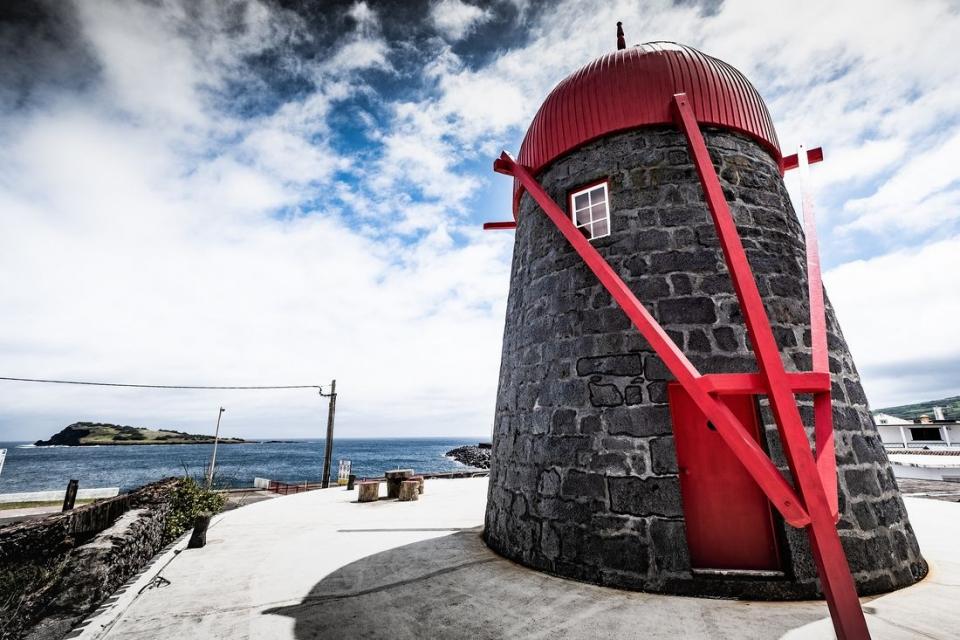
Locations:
(454, 587)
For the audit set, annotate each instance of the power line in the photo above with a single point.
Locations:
(164, 386)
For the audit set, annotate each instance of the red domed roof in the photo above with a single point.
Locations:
(633, 88)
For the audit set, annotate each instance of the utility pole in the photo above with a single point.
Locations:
(213, 457)
(328, 450)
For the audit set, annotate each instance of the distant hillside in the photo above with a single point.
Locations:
(951, 409)
(86, 434)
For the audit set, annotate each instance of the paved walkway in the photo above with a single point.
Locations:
(317, 565)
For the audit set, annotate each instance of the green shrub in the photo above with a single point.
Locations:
(189, 501)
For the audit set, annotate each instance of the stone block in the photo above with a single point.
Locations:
(605, 395)
(549, 541)
(549, 484)
(687, 310)
(654, 369)
(861, 482)
(726, 339)
(681, 284)
(611, 463)
(625, 552)
(577, 484)
(645, 497)
(685, 261)
(590, 424)
(663, 455)
(564, 422)
(697, 341)
(644, 420)
(628, 364)
(562, 450)
(633, 394)
(669, 545)
(657, 392)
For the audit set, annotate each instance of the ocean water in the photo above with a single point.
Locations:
(30, 468)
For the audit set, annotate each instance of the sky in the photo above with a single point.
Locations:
(254, 192)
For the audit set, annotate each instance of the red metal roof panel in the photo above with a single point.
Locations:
(633, 88)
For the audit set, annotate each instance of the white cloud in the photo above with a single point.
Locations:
(923, 193)
(156, 235)
(455, 19)
(145, 249)
(898, 312)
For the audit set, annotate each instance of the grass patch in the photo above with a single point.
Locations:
(5, 506)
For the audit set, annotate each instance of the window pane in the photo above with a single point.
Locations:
(582, 217)
(585, 230)
(599, 212)
(581, 201)
(601, 228)
(925, 433)
(598, 195)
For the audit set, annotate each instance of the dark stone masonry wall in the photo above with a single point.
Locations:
(584, 478)
(57, 570)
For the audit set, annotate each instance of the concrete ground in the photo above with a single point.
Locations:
(318, 565)
(933, 489)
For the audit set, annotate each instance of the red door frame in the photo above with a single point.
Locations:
(728, 519)
(813, 504)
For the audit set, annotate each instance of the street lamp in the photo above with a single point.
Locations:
(213, 457)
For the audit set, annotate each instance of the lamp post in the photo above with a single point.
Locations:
(213, 456)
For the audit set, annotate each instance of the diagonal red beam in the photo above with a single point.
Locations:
(822, 406)
(834, 571)
(818, 316)
(753, 458)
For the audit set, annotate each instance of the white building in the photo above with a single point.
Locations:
(924, 433)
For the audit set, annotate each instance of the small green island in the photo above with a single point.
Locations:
(89, 434)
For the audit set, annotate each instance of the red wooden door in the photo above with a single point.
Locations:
(729, 520)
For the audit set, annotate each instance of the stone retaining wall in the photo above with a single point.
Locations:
(55, 571)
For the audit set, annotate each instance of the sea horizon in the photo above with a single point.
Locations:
(46, 468)
(254, 440)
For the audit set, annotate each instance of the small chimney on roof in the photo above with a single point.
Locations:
(938, 413)
(621, 42)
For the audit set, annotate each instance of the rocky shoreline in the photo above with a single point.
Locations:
(477, 456)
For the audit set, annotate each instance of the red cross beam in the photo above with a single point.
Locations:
(809, 506)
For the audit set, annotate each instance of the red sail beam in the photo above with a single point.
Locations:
(828, 553)
(822, 407)
(755, 461)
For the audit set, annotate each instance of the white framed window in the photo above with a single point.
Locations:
(590, 209)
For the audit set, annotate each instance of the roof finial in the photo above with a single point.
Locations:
(621, 43)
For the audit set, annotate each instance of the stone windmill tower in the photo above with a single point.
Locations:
(678, 411)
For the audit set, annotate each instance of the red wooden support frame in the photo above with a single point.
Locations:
(814, 509)
(822, 406)
(763, 471)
